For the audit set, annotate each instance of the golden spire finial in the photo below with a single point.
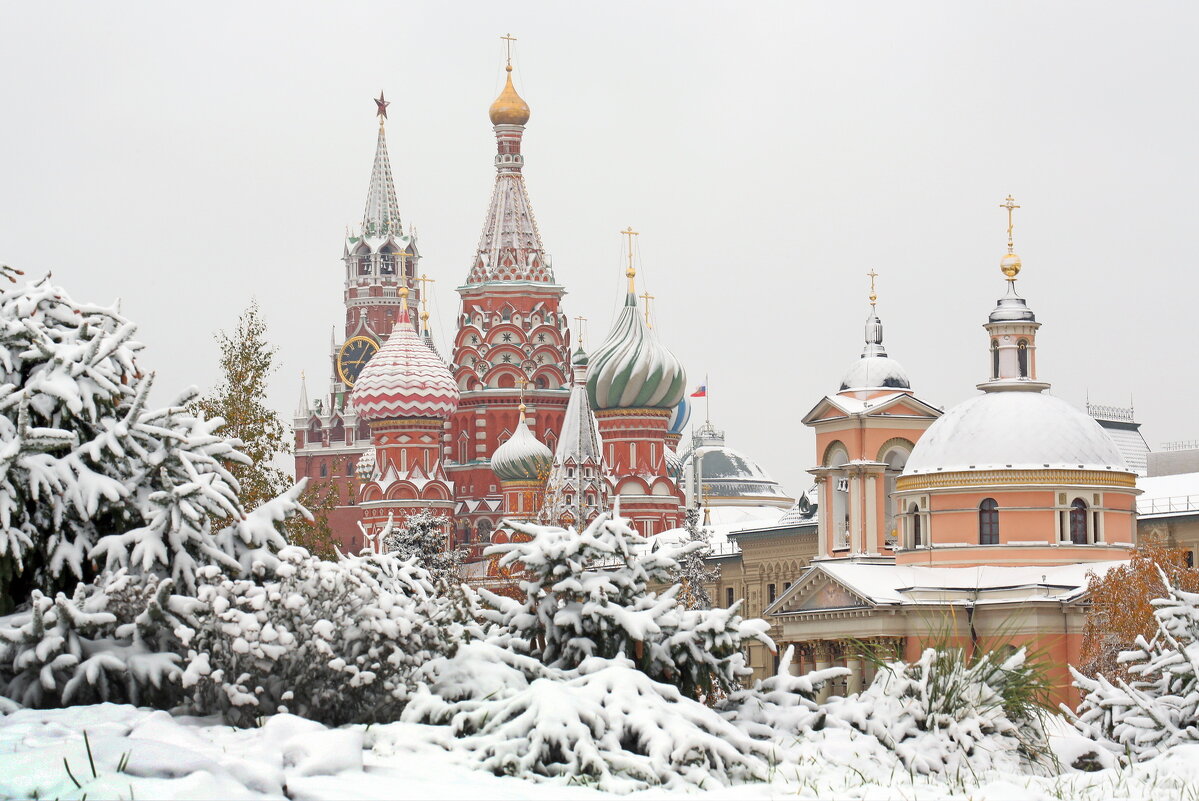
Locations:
(424, 293)
(1010, 264)
(524, 382)
(404, 291)
(647, 297)
(580, 321)
(631, 271)
(873, 294)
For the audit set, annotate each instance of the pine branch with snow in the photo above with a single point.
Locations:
(1158, 708)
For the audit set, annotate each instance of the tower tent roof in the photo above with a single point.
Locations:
(382, 215)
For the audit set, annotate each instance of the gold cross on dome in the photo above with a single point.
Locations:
(508, 40)
(1010, 205)
(580, 321)
(425, 279)
(873, 295)
(631, 272)
(647, 297)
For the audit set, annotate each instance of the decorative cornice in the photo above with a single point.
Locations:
(1045, 477)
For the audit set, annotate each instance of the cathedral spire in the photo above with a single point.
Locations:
(382, 215)
(510, 247)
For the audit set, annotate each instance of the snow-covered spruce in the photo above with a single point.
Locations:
(422, 536)
(88, 473)
(942, 714)
(694, 571)
(117, 638)
(1159, 708)
(587, 595)
(605, 721)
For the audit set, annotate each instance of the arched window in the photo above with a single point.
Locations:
(483, 531)
(1078, 522)
(1022, 357)
(988, 522)
(994, 358)
(914, 511)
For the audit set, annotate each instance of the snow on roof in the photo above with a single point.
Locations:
(875, 372)
(1167, 496)
(1017, 430)
(725, 520)
(898, 584)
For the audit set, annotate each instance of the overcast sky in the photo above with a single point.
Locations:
(185, 157)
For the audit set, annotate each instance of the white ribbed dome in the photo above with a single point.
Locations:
(1028, 430)
(875, 372)
(522, 457)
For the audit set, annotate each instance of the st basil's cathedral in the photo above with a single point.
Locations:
(514, 424)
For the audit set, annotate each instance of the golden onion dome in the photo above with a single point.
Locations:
(509, 108)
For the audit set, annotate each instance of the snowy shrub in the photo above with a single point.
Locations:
(336, 642)
(586, 594)
(111, 641)
(90, 478)
(605, 721)
(1159, 707)
(942, 714)
(947, 713)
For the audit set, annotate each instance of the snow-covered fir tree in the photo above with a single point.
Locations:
(587, 594)
(695, 574)
(92, 477)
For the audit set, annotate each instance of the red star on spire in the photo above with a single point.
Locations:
(382, 106)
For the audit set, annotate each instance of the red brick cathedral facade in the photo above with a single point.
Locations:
(388, 437)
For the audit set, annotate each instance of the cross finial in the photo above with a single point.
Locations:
(1010, 205)
(647, 297)
(524, 382)
(580, 321)
(508, 40)
(873, 295)
(425, 279)
(630, 272)
(381, 108)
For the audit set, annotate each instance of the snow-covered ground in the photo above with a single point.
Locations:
(140, 753)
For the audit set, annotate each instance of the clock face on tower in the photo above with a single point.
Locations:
(353, 356)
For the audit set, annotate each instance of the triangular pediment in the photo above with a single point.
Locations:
(818, 591)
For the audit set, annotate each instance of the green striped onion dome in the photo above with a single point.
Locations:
(522, 457)
(632, 369)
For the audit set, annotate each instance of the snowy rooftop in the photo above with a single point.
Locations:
(1014, 430)
(1168, 496)
(887, 584)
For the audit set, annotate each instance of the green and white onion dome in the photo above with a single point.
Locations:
(522, 457)
(632, 369)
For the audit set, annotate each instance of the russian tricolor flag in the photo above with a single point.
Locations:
(702, 392)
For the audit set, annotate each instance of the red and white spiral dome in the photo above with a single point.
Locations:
(405, 379)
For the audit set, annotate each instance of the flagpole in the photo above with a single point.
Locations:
(707, 401)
